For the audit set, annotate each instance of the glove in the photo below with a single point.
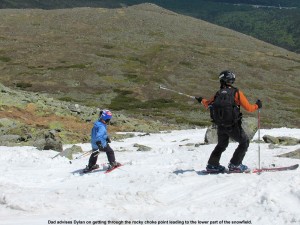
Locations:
(98, 143)
(199, 99)
(108, 140)
(259, 103)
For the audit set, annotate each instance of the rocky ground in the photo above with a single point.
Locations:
(26, 118)
(35, 119)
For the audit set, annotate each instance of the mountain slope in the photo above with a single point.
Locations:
(117, 58)
(275, 22)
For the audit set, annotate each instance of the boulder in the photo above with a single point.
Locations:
(50, 140)
(270, 139)
(294, 154)
(211, 136)
(142, 148)
(281, 140)
(10, 138)
(75, 108)
(8, 123)
(288, 141)
(249, 125)
(68, 152)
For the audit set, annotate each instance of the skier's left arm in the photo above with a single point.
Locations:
(241, 99)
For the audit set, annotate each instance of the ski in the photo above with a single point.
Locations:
(103, 167)
(274, 169)
(205, 172)
(257, 171)
(110, 170)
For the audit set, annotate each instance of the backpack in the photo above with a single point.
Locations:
(224, 111)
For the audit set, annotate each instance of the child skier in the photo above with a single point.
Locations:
(99, 142)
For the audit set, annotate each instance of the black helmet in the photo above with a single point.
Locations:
(227, 77)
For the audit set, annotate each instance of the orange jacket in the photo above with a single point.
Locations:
(239, 100)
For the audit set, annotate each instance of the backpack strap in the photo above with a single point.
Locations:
(239, 105)
(236, 90)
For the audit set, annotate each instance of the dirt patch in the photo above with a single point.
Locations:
(77, 130)
(30, 116)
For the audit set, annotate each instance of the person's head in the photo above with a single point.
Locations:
(227, 77)
(105, 116)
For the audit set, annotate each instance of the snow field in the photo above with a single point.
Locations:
(158, 185)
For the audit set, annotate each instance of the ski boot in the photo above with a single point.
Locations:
(113, 165)
(90, 168)
(237, 168)
(215, 169)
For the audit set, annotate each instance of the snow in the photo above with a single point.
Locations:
(160, 186)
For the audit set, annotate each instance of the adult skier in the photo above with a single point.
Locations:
(99, 142)
(225, 112)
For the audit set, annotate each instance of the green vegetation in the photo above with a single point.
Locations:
(269, 25)
(273, 21)
(55, 125)
(23, 85)
(5, 59)
(282, 3)
(276, 25)
(67, 99)
(75, 66)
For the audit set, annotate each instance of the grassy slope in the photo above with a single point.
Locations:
(276, 24)
(117, 58)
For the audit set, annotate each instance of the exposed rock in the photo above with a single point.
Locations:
(288, 141)
(281, 140)
(5, 122)
(142, 148)
(188, 144)
(10, 138)
(249, 125)
(75, 108)
(211, 136)
(272, 146)
(294, 154)
(68, 153)
(49, 141)
(270, 139)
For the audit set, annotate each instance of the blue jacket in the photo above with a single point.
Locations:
(99, 133)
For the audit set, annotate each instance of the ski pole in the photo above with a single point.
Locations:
(258, 132)
(177, 92)
(82, 155)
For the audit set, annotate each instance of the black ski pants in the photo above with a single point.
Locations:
(109, 153)
(238, 134)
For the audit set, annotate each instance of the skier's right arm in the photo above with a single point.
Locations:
(206, 102)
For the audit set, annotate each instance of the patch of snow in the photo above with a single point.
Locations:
(157, 185)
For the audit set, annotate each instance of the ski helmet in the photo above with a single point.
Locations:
(227, 77)
(106, 115)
